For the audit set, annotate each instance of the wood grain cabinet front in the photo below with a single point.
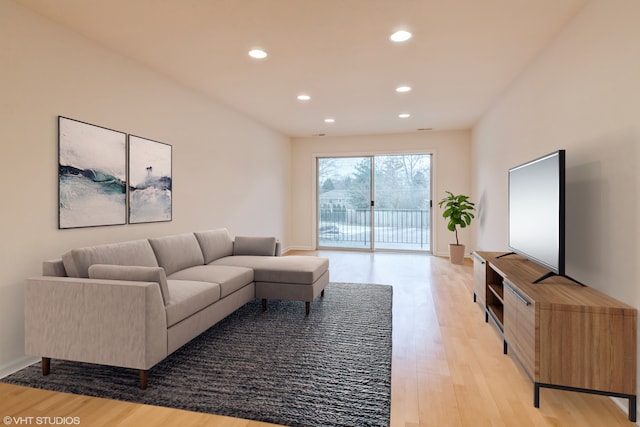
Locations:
(520, 327)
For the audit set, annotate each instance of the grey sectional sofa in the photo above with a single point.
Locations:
(131, 304)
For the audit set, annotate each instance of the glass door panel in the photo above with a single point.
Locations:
(402, 202)
(344, 202)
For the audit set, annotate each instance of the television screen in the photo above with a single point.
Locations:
(537, 211)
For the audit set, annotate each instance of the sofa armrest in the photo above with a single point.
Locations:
(110, 322)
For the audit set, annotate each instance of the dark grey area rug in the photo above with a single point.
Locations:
(332, 368)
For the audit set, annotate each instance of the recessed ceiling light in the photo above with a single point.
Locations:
(329, 120)
(400, 36)
(404, 115)
(304, 97)
(258, 54)
(403, 89)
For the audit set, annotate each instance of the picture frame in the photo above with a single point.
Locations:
(92, 171)
(150, 181)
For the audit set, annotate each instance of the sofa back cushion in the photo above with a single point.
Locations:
(177, 252)
(215, 244)
(135, 252)
(132, 273)
(248, 245)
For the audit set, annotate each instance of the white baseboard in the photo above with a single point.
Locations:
(16, 365)
(298, 248)
(446, 254)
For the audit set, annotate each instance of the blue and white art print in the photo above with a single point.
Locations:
(149, 180)
(92, 168)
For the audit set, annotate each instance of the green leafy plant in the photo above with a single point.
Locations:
(457, 209)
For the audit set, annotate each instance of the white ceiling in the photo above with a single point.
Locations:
(463, 54)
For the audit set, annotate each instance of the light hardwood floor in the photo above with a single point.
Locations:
(448, 368)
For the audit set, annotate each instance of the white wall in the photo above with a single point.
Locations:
(581, 94)
(451, 171)
(228, 171)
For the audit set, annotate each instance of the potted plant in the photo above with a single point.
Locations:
(458, 210)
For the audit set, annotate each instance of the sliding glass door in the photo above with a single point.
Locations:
(374, 202)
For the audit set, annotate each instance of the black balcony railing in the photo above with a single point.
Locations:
(393, 228)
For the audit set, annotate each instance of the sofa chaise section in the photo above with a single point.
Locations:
(294, 278)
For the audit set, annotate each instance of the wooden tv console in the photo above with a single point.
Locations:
(565, 336)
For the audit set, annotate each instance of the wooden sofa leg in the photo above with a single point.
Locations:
(322, 293)
(264, 304)
(144, 378)
(307, 306)
(46, 365)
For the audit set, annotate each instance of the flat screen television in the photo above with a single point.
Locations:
(537, 212)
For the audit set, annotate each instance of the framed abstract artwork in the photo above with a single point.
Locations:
(150, 181)
(92, 168)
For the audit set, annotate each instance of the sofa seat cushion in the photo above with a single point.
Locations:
(300, 269)
(230, 278)
(189, 297)
(134, 252)
(177, 252)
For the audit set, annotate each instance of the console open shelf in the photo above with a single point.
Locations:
(497, 290)
(497, 314)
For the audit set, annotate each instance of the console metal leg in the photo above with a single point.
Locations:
(633, 408)
(504, 347)
(474, 297)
